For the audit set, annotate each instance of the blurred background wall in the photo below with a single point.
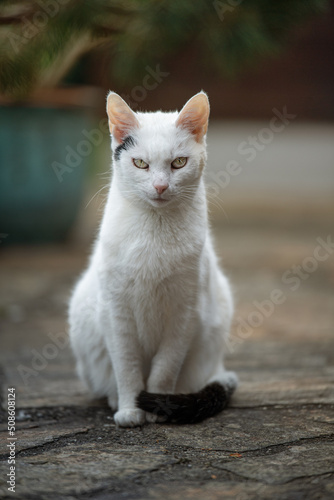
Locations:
(286, 176)
(300, 77)
(271, 148)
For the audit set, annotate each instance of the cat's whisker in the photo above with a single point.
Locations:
(107, 172)
(99, 191)
(103, 202)
(218, 204)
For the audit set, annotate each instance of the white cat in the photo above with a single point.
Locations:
(150, 316)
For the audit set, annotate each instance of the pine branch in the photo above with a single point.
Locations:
(34, 40)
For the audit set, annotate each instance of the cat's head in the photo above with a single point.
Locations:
(158, 157)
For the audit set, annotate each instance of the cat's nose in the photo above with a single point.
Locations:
(160, 187)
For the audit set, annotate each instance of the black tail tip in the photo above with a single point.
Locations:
(186, 408)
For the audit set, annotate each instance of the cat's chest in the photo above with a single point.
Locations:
(151, 274)
(149, 252)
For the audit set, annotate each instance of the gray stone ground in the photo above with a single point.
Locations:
(275, 441)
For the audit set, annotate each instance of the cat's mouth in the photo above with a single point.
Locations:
(159, 201)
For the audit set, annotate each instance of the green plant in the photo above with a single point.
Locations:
(40, 40)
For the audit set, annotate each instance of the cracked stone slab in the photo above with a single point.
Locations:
(54, 392)
(56, 384)
(251, 429)
(228, 490)
(285, 389)
(26, 425)
(261, 387)
(294, 462)
(39, 435)
(78, 469)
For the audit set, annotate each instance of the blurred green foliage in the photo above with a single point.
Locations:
(40, 40)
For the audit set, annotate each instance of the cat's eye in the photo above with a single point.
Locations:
(139, 163)
(179, 162)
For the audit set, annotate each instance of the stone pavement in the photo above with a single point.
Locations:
(275, 441)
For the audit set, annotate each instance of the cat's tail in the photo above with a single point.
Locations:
(187, 408)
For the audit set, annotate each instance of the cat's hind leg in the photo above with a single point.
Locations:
(95, 370)
(93, 361)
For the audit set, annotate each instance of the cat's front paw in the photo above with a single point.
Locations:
(130, 418)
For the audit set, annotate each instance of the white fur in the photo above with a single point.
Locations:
(153, 309)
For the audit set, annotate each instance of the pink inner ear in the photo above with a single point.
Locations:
(122, 119)
(118, 134)
(194, 116)
(122, 129)
(123, 123)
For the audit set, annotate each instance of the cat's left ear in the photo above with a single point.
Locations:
(122, 120)
(194, 116)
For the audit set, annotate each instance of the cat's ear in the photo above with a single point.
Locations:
(194, 116)
(122, 120)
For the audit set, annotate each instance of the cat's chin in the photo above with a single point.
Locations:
(158, 202)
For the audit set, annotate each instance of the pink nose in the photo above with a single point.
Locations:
(160, 187)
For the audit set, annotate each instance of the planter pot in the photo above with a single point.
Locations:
(43, 165)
